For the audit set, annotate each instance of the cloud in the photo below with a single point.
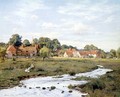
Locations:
(89, 11)
(76, 23)
(80, 28)
(70, 28)
(27, 8)
(48, 25)
(75, 27)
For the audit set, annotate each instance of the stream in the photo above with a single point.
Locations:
(51, 86)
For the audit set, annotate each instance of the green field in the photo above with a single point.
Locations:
(12, 71)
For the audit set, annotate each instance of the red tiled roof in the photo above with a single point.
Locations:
(11, 49)
(70, 51)
(89, 52)
(22, 50)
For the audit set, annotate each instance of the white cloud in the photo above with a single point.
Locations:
(75, 27)
(80, 28)
(48, 25)
(28, 7)
(68, 27)
(88, 11)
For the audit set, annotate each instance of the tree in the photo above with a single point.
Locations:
(64, 46)
(72, 47)
(2, 54)
(55, 45)
(48, 43)
(15, 40)
(102, 54)
(26, 42)
(118, 52)
(112, 53)
(44, 52)
(45, 41)
(90, 47)
(35, 41)
(2, 44)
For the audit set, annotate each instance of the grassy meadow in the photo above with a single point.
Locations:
(13, 70)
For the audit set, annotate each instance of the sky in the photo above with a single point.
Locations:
(72, 22)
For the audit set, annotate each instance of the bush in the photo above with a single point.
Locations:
(96, 84)
(44, 52)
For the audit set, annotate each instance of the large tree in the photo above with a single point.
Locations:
(15, 40)
(102, 53)
(90, 47)
(35, 41)
(44, 52)
(112, 53)
(55, 45)
(26, 42)
(45, 41)
(64, 46)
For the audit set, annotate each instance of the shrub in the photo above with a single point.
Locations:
(44, 52)
(98, 84)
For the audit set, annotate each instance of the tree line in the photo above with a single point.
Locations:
(47, 45)
(53, 45)
(112, 54)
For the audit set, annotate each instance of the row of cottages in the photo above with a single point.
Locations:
(90, 54)
(22, 50)
(81, 54)
(72, 53)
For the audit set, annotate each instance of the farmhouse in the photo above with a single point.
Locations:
(71, 53)
(22, 50)
(90, 54)
(81, 54)
(11, 50)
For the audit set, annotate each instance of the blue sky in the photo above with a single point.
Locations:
(73, 22)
